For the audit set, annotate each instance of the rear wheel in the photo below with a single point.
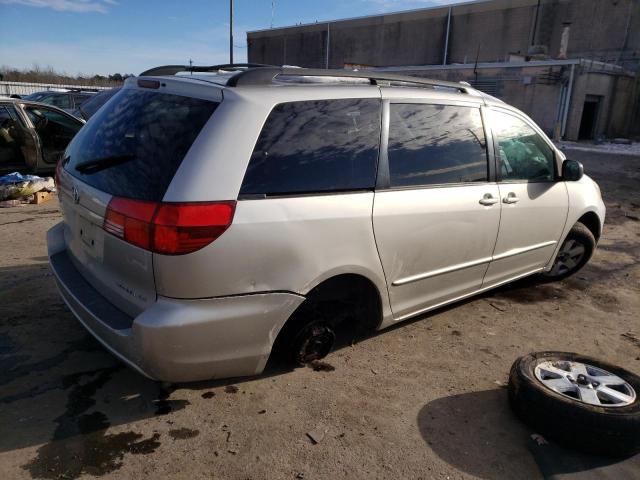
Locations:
(574, 253)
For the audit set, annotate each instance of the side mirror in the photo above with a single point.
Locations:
(572, 170)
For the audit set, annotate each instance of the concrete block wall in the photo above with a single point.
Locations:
(537, 92)
(490, 33)
(600, 29)
(524, 88)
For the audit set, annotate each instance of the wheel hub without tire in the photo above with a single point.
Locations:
(314, 342)
(585, 383)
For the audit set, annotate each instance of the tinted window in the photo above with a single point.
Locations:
(60, 101)
(36, 96)
(8, 111)
(316, 146)
(92, 105)
(146, 134)
(4, 116)
(80, 99)
(523, 154)
(436, 144)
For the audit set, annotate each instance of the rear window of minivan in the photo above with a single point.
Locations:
(134, 145)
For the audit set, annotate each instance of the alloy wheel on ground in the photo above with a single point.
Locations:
(585, 383)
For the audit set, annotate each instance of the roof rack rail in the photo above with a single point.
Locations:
(267, 75)
(253, 74)
(165, 70)
(83, 89)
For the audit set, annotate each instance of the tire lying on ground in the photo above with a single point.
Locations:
(578, 401)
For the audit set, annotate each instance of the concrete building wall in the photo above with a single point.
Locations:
(534, 90)
(600, 29)
(395, 43)
(614, 107)
(490, 31)
(289, 49)
(607, 30)
(538, 91)
(620, 108)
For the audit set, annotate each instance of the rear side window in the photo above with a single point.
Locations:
(80, 99)
(133, 146)
(92, 105)
(60, 101)
(436, 144)
(316, 146)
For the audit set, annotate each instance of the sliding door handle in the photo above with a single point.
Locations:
(511, 198)
(488, 200)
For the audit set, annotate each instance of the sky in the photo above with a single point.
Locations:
(128, 36)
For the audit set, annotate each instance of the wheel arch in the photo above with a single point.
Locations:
(339, 291)
(372, 275)
(346, 285)
(591, 220)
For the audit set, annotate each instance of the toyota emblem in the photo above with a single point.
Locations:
(75, 194)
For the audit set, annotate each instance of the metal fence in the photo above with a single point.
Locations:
(26, 88)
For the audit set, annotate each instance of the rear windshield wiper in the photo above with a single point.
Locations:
(97, 164)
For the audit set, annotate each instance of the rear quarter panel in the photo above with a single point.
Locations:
(280, 244)
(277, 244)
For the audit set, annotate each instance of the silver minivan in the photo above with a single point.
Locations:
(212, 217)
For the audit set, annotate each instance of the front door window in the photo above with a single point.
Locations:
(524, 156)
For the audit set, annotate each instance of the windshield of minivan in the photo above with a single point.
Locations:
(152, 130)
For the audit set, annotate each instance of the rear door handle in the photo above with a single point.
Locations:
(511, 198)
(488, 199)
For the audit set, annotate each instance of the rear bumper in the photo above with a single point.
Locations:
(177, 340)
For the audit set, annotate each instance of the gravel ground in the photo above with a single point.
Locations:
(423, 400)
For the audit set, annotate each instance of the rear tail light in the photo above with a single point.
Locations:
(168, 228)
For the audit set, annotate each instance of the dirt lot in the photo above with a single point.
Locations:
(423, 400)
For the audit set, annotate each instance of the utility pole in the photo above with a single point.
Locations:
(230, 32)
(273, 8)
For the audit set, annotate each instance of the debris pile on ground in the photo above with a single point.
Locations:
(17, 189)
